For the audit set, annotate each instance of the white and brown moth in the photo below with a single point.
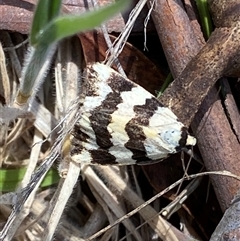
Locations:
(122, 123)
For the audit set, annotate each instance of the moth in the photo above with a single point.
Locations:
(122, 123)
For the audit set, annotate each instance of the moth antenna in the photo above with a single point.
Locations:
(193, 155)
(185, 169)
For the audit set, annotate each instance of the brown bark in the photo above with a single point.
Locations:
(216, 140)
(176, 34)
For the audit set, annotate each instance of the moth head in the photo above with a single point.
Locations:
(178, 138)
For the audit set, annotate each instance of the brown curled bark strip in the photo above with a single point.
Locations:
(176, 34)
(17, 15)
(218, 145)
(220, 56)
(231, 108)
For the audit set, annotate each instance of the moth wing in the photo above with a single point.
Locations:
(121, 122)
(102, 145)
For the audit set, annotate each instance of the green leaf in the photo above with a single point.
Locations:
(10, 178)
(12, 174)
(52, 177)
(46, 10)
(166, 83)
(205, 17)
(67, 25)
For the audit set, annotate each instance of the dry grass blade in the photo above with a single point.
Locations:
(158, 224)
(119, 43)
(34, 156)
(44, 123)
(109, 198)
(4, 77)
(150, 219)
(59, 201)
